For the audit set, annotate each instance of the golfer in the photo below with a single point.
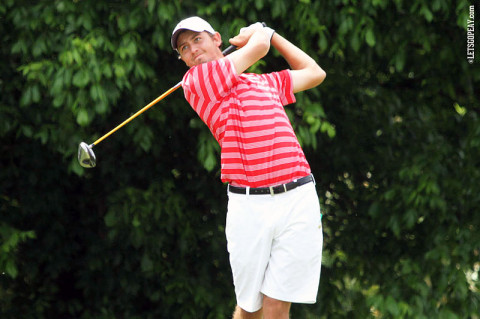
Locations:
(273, 227)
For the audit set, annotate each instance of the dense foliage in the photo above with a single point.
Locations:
(392, 135)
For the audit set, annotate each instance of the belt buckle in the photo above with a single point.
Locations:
(271, 190)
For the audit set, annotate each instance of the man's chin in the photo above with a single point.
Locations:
(200, 60)
(203, 58)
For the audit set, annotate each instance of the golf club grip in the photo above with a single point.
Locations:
(229, 50)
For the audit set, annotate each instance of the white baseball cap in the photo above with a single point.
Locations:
(193, 24)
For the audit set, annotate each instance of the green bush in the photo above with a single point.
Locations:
(392, 136)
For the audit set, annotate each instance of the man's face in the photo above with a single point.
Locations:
(198, 47)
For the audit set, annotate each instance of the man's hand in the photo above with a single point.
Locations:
(245, 34)
(253, 43)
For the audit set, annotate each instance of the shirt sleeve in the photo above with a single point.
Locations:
(283, 83)
(209, 82)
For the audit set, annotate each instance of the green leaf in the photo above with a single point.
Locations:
(323, 43)
(19, 47)
(26, 98)
(58, 100)
(355, 42)
(427, 13)
(147, 263)
(110, 219)
(331, 132)
(400, 60)
(119, 70)
(374, 210)
(131, 48)
(27, 130)
(35, 94)
(370, 37)
(460, 109)
(447, 314)
(136, 222)
(82, 117)
(392, 306)
(101, 106)
(43, 135)
(210, 162)
(259, 4)
(94, 92)
(86, 21)
(107, 70)
(122, 23)
(81, 78)
(144, 137)
(11, 269)
(410, 218)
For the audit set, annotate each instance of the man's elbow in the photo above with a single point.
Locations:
(320, 75)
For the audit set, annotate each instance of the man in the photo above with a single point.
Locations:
(273, 225)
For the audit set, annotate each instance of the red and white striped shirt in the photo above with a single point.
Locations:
(246, 116)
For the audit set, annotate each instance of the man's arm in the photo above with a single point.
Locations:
(306, 73)
(254, 44)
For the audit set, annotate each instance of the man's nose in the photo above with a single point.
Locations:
(193, 47)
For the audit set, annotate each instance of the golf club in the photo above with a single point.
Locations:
(86, 156)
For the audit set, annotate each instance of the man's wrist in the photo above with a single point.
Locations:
(269, 31)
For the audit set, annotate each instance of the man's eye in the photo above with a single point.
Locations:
(184, 48)
(197, 39)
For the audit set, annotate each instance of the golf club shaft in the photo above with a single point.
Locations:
(149, 105)
(227, 51)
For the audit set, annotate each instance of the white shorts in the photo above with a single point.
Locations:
(275, 246)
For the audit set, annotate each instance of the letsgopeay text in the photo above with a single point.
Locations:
(471, 35)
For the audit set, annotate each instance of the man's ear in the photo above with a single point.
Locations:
(217, 39)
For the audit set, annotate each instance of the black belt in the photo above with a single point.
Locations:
(272, 190)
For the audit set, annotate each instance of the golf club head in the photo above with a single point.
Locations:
(86, 157)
